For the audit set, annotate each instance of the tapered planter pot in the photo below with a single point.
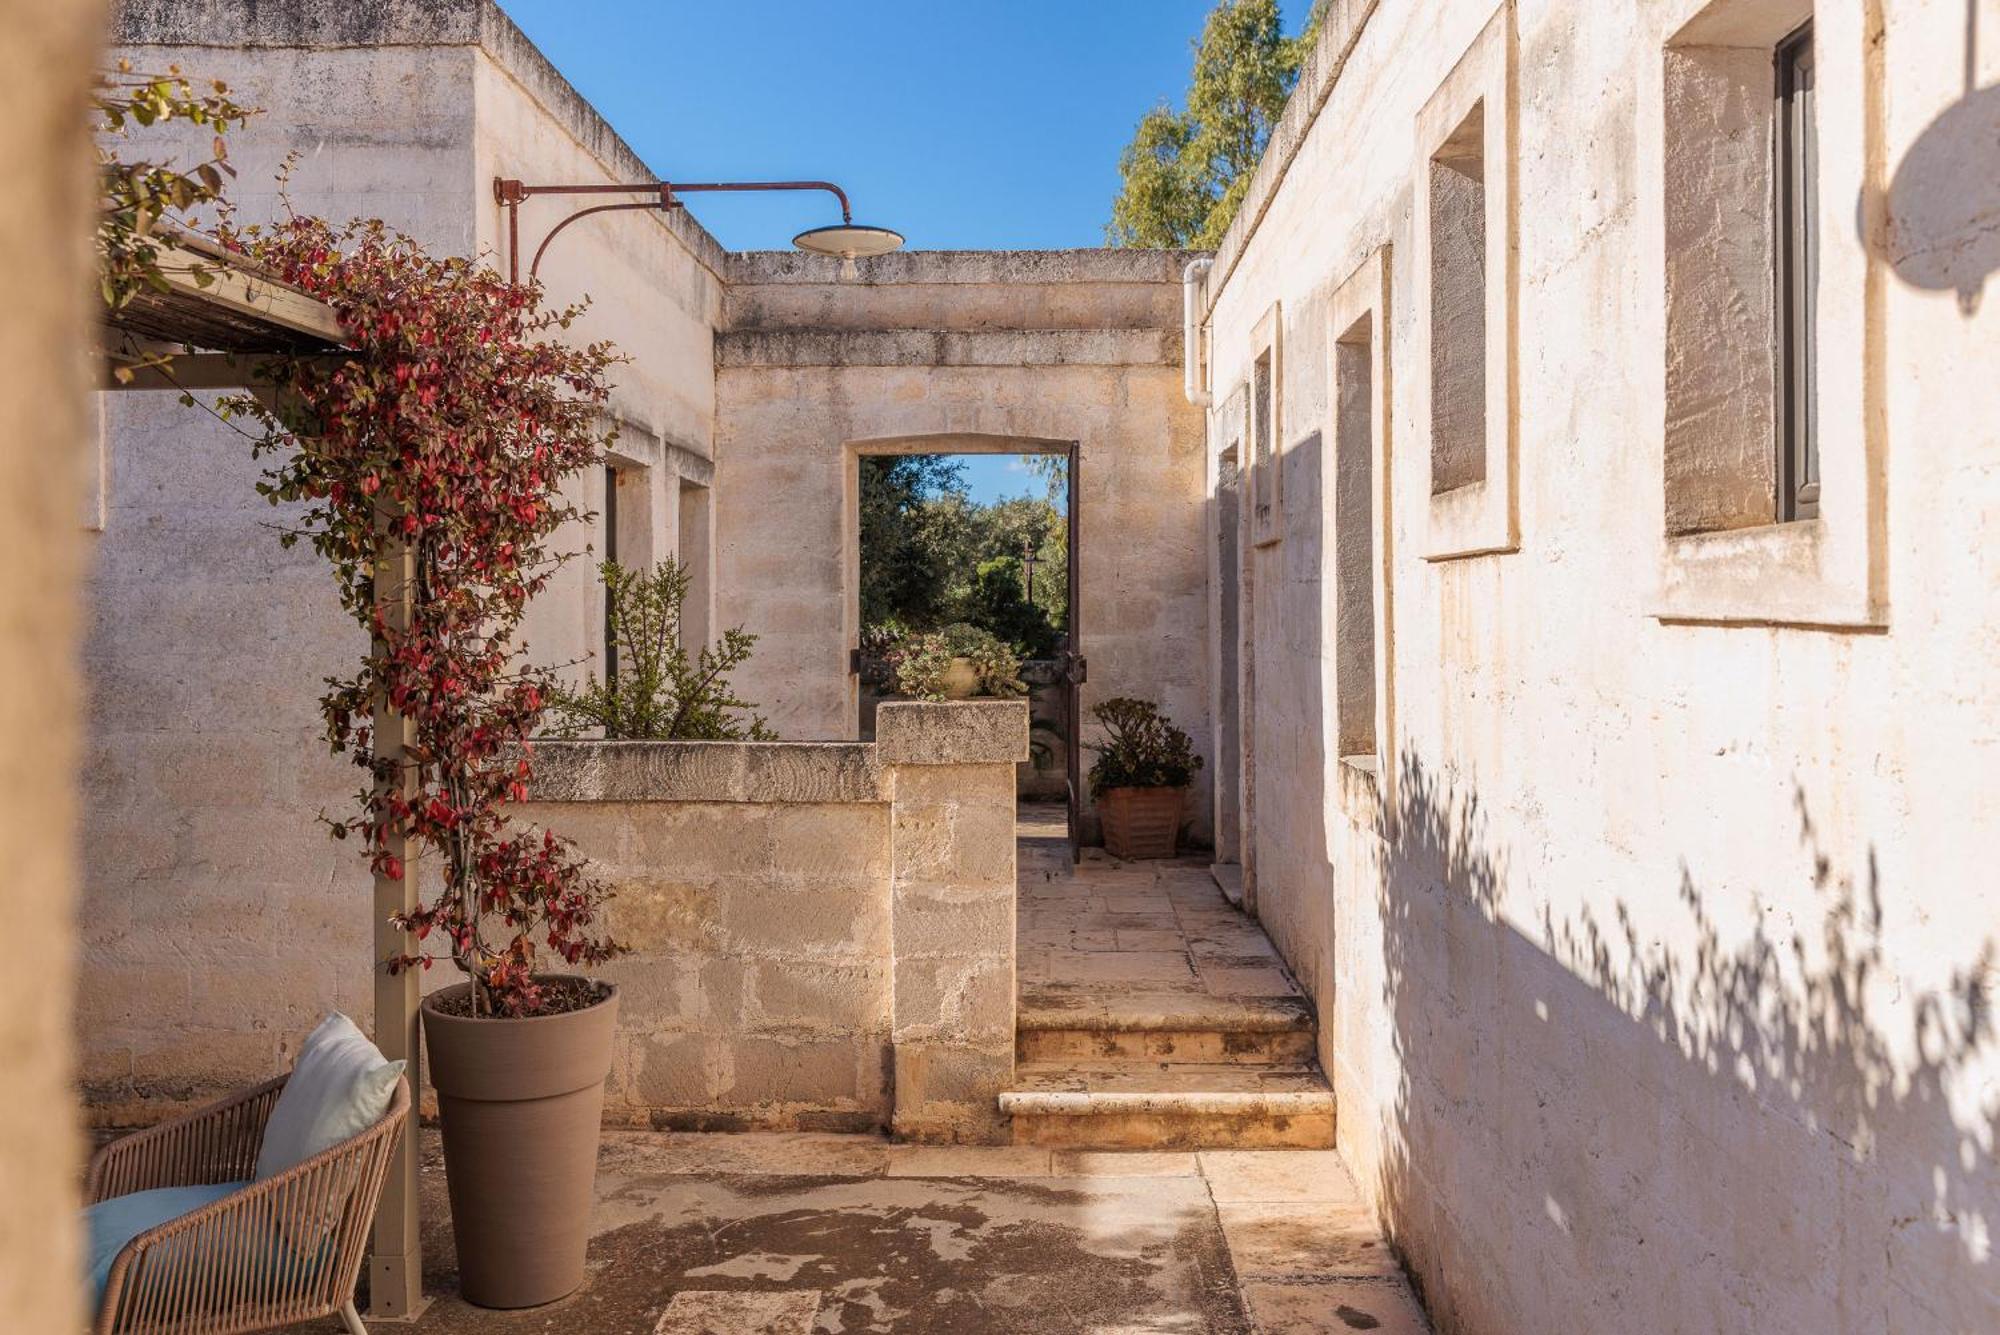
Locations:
(521, 1103)
(1141, 822)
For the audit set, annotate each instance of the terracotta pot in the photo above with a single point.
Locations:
(1141, 822)
(521, 1102)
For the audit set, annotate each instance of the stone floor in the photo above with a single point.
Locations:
(1135, 935)
(792, 1233)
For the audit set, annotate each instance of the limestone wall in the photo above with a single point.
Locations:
(822, 934)
(946, 352)
(1655, 959)
(218, 920)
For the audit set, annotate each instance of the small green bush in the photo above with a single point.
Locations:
(659, 692)
(1141, 750)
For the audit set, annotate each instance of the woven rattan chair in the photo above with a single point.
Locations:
(286, 1249)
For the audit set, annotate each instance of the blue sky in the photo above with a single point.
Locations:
(963, 124)
(960, 123)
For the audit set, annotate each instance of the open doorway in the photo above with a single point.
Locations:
(966, 589)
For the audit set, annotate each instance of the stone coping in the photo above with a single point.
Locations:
(1091, 265)
(908, 732)
(965, 732)
(741, 348)
(600, 771)
(1339, 31)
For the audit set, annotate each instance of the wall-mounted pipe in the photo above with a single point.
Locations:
(1194, 294)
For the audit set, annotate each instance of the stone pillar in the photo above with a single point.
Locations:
(47, 54)
(952, 911)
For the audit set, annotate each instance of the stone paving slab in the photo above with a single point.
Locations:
(791, 1233)
(1131, 942)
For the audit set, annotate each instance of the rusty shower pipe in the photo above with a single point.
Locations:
(510, 193)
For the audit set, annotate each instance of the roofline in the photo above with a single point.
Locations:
(332, 25)
(1338, 34)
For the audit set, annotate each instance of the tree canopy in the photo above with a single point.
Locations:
(931, 556)
(1184, 174)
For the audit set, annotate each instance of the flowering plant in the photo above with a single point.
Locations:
(428, 465)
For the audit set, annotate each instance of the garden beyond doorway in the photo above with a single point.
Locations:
(965, 588)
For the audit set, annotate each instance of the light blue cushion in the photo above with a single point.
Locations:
(340, 1086)
(109, 1225)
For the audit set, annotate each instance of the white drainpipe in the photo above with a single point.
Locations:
(1194, 280)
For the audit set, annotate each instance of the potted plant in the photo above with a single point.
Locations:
(1140, 778)
(427, 467)
(956, 663)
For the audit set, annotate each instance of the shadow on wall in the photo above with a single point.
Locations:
(1595, 1131)
(1942, 229)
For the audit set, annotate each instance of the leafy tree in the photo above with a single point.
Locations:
(930, 556)
(912, 534)
(1184, 174)
(659, 690)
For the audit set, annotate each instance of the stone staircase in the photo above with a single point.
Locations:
(1152, 1014)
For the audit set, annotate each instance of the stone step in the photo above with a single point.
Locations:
(1204, 1046)
(1172, 1027)
(1160, 1106)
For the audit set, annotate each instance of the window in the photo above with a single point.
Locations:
(1354, 541)
(1355, 590)
(1267, 442)
(1772, 451)
(610, 554)
(1465, 299)
(1797, 199)
(1458, 306)
(694, 556)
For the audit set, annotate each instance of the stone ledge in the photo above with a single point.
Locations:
(598, 771)
(1100, 264)
(970, 732)
(946, 347)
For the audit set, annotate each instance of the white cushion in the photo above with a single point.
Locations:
(340, 1086)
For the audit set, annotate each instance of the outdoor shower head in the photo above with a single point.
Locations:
(849, 241)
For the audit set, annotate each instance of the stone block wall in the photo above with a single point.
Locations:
(958, 352)
(822, 934)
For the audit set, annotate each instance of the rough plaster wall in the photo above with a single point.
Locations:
(219, 921)
(782, 459)
(653, 292)
(46, 60)
(1666, 1005)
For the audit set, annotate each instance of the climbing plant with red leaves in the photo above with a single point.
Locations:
(439, 446)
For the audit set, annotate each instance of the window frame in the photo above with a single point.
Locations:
(1795, 224)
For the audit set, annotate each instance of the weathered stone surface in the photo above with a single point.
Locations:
(598, 771)
(970, 732)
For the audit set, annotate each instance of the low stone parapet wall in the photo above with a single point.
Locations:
(822, 933)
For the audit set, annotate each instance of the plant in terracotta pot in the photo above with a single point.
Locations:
(1140, 778)
(427, 466)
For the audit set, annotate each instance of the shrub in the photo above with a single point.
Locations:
(920, 663)
(1141, 748)
(659, 691)
(426, 466)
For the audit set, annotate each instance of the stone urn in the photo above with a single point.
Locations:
(1141, 822)
(961, 680)
(521, 1103)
